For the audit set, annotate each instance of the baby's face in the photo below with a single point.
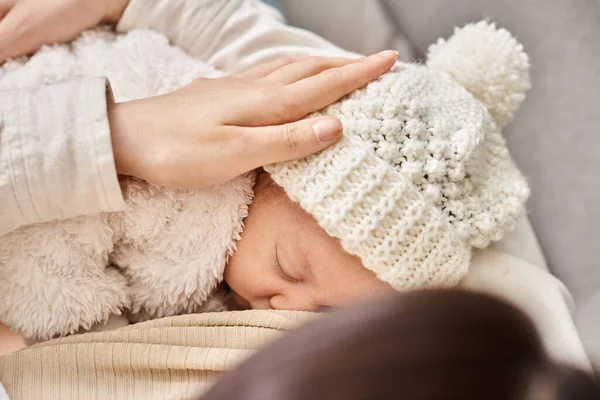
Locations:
(286, 261)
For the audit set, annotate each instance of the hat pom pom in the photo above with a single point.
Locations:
(489, 63)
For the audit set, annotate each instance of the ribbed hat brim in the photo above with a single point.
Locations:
(377, 214)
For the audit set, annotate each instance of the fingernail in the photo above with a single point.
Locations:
(389, 53)
(328, 129)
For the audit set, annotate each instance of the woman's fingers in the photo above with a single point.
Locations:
(270, 144)
(306, 68)
(261, 70)
(313, 93)
(287, 70)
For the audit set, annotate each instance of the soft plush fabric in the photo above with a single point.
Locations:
(163, 255)
(423, 173)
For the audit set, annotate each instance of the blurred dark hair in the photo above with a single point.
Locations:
(428, 345)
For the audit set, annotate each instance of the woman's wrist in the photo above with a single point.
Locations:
(141, 139)
(124, 121)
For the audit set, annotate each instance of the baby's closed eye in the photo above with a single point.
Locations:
(293, 260)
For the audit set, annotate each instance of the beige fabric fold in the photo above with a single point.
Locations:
(170, 358)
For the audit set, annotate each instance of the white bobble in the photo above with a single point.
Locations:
(489, 63)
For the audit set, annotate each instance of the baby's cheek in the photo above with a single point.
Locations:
(368, 288)
(252, 283)
(296, 297)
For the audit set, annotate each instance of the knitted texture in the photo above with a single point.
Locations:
(423, 173)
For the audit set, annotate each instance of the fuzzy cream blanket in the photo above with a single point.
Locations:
(163, 256)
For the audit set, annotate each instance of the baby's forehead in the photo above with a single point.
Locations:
(281, 207)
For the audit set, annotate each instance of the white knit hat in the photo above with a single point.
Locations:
(422, 173)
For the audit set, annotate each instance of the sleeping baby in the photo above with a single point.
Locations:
(421, 177)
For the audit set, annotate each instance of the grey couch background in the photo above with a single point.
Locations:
(555, 138)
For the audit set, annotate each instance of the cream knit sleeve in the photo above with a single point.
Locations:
(56, 157)
(229, 35)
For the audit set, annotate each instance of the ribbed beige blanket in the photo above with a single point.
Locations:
(169, 358)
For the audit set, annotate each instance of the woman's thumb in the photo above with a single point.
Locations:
(295, 140)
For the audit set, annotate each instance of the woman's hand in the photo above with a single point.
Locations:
(25, 25)
(215, 129)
